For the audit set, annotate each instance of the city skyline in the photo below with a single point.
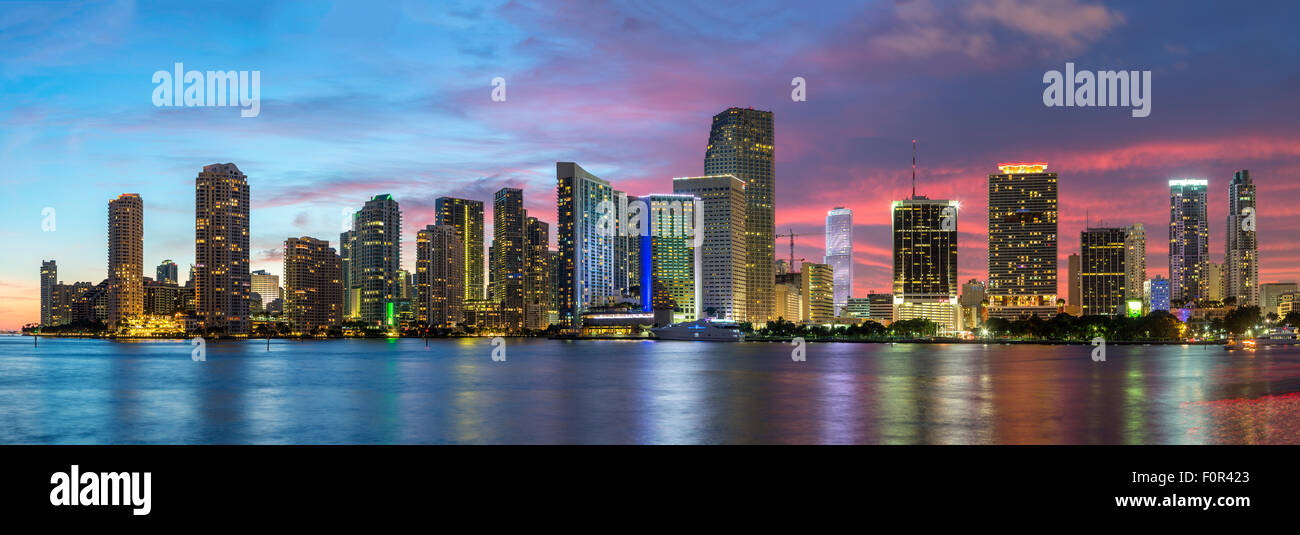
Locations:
(822, 162)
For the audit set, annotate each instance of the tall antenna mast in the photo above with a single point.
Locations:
(913, 168)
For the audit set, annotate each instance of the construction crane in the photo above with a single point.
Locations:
(792, 236)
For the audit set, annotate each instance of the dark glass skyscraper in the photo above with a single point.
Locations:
(1189, 240)
(1102, 277)
(508, 221)
(925, 261)
(1022, 241)
(1241, 255)
(742, 144)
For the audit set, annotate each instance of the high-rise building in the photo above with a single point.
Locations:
(49, 279)
(1103, 274)
(1189, 239)
(466, 216)
(313, 285)
(351, 286)
(377, 257)
(125, 258)
(1215, 283)
(167, 272)
(674, 262)
(1022, 241)
(722, 262)
(973, 294)
(537, 274)
(882, 307)
(742, 144)
(508, 222)
(789, 300)
(839, 253)
(555, 264)
(161, 298)
(586, 249)
(1135, 260)
(1269, 293)
(267, 285)
(925, 261)
(818, 292)
(1157, 293)
(1074, 297)
(222, 285)
(1241, 255)
(439, 288)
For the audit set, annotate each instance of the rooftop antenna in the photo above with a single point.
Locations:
(913, 168)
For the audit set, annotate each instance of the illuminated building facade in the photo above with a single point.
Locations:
(266, 285)
(1022, 241)
(818, 292)
(49, 279)
(742, 144)
(167, 272)
(722, 259)
(674, 263)
(439, 272)
(466, 216)
(508, 222)
(377, 257)
(1135, 260)
(924, 235)
(125, 258)
(839, 253)
(586, 250)
(1241, 255)
(313, 285)
(537, 273)
(1103, 275)
(1189, 240)
(222, 285)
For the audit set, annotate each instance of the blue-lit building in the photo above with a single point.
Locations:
(1157, 294)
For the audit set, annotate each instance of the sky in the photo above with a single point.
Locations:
(363, 98)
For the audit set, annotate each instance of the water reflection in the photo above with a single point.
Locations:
(399, 391)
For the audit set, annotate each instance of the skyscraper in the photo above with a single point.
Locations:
(1074, 297)
(839, 253)
(1215, 281)
(673, 264)
(537, 273)
(439, 273)
(267, 285)
(351, 282)
(742, 144)
(1103, 274)
(222, 284)
(1189, 239)
(377, 257)
(125, 258)
(1135, 260)
(508, 222)
(1022, 241)
(466, 216)
(167, 272)
(722, 263)
(818, 293)
(586, 250)
(1157, 293)
(1241, 256)
(49, 279)
(313, 285)
(925, 261)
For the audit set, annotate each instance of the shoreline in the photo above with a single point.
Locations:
(781, 340)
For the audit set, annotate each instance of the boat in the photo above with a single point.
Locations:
(703, 330)
(1279, 336)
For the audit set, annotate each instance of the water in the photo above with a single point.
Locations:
(547, 391)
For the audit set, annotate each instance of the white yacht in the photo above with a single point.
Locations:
(705, 330)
